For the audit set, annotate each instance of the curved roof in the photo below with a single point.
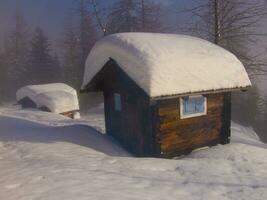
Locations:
(58, 101)
(57, 97)
(168, 64)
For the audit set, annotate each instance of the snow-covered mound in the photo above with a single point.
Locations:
(58, 101)
(48, 156)
(166, 64)
(57, 97)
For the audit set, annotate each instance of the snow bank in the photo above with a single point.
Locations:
(57, 97)
(165, 64)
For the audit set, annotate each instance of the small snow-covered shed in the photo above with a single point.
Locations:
(164, 94)
(55, 97)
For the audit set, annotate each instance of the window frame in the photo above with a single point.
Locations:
(117, 104)
(186, 116)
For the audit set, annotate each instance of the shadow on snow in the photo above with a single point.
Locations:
(14, 129)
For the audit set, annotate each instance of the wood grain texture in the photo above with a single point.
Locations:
(69, 114)
(26, 102)
(131, 126)
(176, 135)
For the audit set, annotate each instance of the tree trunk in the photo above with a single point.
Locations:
(216, 22)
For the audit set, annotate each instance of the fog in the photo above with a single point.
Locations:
(48, 41)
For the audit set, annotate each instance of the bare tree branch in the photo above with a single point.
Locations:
(232, 24)
(99, 21)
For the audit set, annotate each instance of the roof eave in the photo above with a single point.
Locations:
(88, 88)
(243, 89)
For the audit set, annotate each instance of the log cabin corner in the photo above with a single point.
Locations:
(159, 102)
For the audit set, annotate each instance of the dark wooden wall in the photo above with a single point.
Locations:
(177, 136)
(131, 126)
(69, 114)
(26, 102)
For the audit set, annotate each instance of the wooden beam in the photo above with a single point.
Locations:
(202, 92)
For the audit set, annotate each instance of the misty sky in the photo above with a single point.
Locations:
(48, 14)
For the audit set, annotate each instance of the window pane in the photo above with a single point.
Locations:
(189, 106)
(200, 105)
(117, 102)
(193, 105)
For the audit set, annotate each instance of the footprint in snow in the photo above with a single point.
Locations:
(57, 171)
(37, 179)
(65, 170)
(12, 186)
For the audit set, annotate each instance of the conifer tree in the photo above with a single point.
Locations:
(86, 30)
(15, 53)
(3, 77)
(78, 38)
(41, 60)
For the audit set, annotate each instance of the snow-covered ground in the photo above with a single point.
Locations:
(46, 156)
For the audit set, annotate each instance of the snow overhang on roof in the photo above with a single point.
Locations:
(168, 64)
(57, 97)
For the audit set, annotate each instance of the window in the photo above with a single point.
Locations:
(117, 102)
(193, 106)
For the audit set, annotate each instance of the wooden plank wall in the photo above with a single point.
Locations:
(69, 114)
(179, 136)
(26, 102)
(131, 126)
(226, 130)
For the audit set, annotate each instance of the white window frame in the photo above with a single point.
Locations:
(183, 116)
(117, 105)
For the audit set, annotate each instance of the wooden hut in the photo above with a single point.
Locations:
(164, 95)
(55, 97)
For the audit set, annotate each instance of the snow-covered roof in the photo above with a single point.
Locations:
(57, 97)
(168, 64)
